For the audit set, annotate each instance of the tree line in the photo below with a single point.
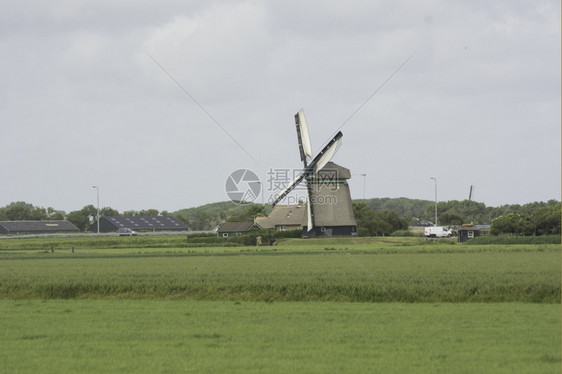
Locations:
(452, 212)
(536, 218)
(374, 216)
(542, 221)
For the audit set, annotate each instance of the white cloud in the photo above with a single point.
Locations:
(78, 86)
(219, 53)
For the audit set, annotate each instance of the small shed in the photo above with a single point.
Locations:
(467, 232)
(237, 228)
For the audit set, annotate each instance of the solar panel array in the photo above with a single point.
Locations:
(147, 223)
(12, 227)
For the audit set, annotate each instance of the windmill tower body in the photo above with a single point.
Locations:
(329, 205)
(332, 205)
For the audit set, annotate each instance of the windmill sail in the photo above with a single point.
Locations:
(310, 220)
(326, 153)
(305, 146)
(318, 163)
(289, 188)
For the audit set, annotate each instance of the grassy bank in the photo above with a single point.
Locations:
(45, 244)
(410, 274)
(149, 336)
(175, 241)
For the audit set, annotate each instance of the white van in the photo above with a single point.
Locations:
(437, 232)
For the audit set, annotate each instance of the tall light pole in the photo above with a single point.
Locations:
(435, 179)
(364, 179)
(98, 215)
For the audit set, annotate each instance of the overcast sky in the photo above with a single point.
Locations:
(467, 92)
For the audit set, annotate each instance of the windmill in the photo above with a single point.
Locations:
(329, 206)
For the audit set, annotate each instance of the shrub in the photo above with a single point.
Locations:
(362, 231)
(404, 233)
(205, 239)
(201, 235)
(513, 239)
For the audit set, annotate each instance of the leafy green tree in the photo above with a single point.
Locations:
(381, 222)
(249, 214)
(22, 211)
(456, 212)
(148, 212)
(512, 223)
(450, 219)
(184, 219)
(546, 220)
(38, 214)
(388, 221)
(403, 206)
(84, 217)
(18, 211)
(78, 219)
(109, 212)
(543, 219)
(364, 216)
(54, 214)
(202, 221)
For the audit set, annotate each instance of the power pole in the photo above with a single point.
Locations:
(435, 179)
(98, 215)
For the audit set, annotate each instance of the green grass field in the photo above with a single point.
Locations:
(398, 274)
(160, 336)
(338, 305)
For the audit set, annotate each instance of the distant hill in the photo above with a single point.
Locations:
(452, 212)
(208, 216)
(406, 208)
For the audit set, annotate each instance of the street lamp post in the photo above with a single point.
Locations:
(364, 179)
(435, 179)
(98, 214)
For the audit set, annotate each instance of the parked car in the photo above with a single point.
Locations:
(126, 232)
(437, 232)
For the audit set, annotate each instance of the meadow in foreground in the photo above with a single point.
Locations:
(161, 336)
(329, 275)
(379, 306)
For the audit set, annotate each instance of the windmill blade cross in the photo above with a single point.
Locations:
(326, 153)
(317, 163)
